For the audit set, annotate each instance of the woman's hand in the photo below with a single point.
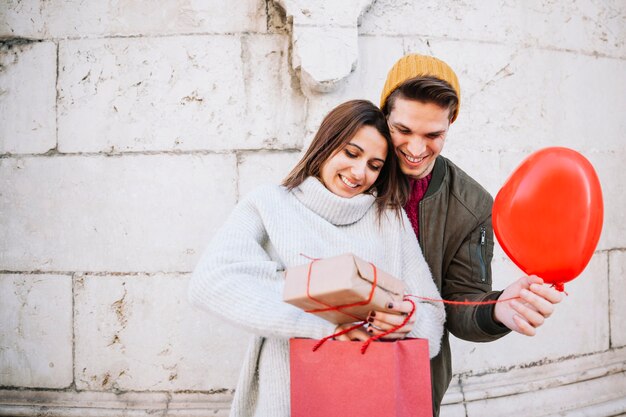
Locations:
(381, 321)
(355, 334)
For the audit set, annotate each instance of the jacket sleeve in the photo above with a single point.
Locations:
(237, 281)
(430, 316)
(468, 278)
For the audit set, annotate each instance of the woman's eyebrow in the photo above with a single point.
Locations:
(356, 146)
(361, 149)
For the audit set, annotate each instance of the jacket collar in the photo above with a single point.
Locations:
(335, 209)
(439, 173)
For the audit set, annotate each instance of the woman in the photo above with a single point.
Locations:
(344, 196)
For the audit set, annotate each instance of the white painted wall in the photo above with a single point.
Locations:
(128, 132)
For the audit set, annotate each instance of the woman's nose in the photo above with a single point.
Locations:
(358, 170)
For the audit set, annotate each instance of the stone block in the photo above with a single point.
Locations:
(325, 41)
(480, 164)
(138, 213)
(617, 303)
(74, 18)
(585, 26)
(275, 108)
(452, 402)
(260, 168)
(436, 19)
(600, 396)
(318, 107)
(132, 94)
(522, 99)
(609, 167)
(376, 55)
(325, 13)
(589, 385)
(36, 331)
(452, 410)
(180, 93)
(324, 57)
(27, 97)
(365, 82)
(573, 100)
(23, 402)
(139, 333)
(578, 326)
(277, 21)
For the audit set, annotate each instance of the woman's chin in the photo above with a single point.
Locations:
(344, 191)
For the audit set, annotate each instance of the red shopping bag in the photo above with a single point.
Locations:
(392, 379)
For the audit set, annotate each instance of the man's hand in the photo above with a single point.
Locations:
(536, 303)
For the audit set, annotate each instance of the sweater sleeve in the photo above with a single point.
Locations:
(430, 316)
(237, 281)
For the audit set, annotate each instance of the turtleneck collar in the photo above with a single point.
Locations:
(337, 210)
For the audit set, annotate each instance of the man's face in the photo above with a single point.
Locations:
(418, 131)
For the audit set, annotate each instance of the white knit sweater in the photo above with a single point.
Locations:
(240, 277)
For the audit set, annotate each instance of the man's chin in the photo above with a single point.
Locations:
(416, 173)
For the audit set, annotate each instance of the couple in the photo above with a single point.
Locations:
(347, 194)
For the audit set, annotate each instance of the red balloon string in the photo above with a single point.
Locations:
(328, 307)
(462, 303)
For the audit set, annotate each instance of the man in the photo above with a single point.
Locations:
(451, 215)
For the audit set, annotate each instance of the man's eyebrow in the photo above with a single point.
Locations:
(438, 132)
(400, 125)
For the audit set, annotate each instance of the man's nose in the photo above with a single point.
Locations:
(416, 146)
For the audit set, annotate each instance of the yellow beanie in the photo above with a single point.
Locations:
(414, 65)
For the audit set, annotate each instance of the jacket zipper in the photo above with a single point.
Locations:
(481, 254)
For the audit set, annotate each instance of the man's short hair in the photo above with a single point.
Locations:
(423, 78)
(425, 90)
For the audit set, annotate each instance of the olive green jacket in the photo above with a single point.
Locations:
(456, 237)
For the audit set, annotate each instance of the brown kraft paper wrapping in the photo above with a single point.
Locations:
(341, 280)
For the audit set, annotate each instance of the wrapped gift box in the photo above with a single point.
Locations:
(346, 282)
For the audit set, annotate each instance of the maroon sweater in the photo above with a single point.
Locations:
(418, 189)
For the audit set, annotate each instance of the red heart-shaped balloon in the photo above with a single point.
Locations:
(548, 215)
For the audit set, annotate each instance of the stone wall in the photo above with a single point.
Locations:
(129, 130)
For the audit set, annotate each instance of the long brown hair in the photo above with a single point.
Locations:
(337, 129)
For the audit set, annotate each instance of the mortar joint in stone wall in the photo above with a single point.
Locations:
(463, 399)
(10, 43)
(533, 364)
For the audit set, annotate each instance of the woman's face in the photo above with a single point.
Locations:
(353, 169)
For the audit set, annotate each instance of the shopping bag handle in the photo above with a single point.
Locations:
(373, 338)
